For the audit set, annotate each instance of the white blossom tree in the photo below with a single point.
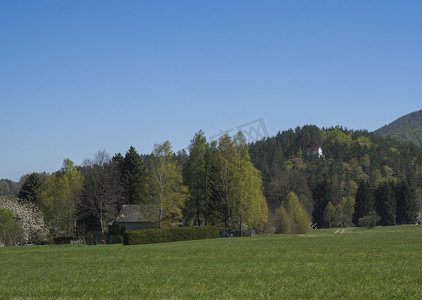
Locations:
(29, 217)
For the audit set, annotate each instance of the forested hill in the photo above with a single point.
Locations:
(348, 158)
(9, 187)
(407, 128)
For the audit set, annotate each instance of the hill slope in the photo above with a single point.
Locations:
(407, 128)
(349, 157)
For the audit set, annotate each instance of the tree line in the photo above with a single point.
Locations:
(276, 184)
(214, 184)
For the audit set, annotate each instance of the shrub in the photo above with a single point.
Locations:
(95, 237)
(156, 235)
(11, 232)
(115, 234)
(370, 220)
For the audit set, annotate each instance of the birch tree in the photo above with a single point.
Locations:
(60, 196)
(238, 185)
(166, 184)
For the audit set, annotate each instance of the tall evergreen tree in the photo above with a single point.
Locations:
(133, 176)
(31, 188)
(406, 203)
(386, 203)
(321, 194)
(364, 201)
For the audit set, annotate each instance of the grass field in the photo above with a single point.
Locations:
(356, 263)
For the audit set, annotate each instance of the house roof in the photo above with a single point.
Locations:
(315, 148)
(134, 213)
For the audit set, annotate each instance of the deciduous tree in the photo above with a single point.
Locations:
(102, 190)
(60, 196)
(292, 216)
(166, 184)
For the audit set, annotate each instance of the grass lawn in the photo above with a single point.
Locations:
(356, 263)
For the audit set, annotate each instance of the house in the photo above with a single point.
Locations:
(316, 150)
(135, 217)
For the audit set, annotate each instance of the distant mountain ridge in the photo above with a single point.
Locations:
(407, 128)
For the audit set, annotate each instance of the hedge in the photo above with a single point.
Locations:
(156, 235)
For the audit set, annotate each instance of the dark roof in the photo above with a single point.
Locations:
(134, 213)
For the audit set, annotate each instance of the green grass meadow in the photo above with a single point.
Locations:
(352, 263)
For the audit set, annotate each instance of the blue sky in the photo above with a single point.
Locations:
(81, 76)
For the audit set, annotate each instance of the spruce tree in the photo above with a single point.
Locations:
(386, 203)
(364, 202)
(406, 203)
(321, 194)
(30, 188)
(134, 177)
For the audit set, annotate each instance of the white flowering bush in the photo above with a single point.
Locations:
(29, 217)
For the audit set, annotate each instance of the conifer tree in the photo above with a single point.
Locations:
(406, 203)
(30, 188)
(321, 194)
(133, 176)
(364, 201)
(386, 203)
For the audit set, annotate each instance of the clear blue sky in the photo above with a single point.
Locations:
(81, 76)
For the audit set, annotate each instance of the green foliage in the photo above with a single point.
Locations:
(166, 184)
(165, 235)
(60, 196)
(406, 203)
(386, 203)
(9, 187)
(349, 158)
(115, 234)
(11, 232)
(407, 128)
(196, 177)
(331, 215)
(345, 211)
(292, 216)
(369, 220)
(322, 195)
(134, 176)
(96, 237)
(365, 201)
(31, 188)
(238, 197)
